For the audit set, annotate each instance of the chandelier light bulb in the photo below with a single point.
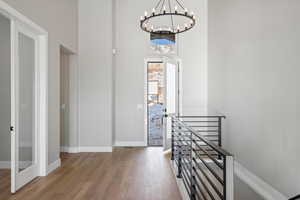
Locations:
(164, 9)
(185, 26)
(192, 13)
(146, 14)
(142, 18)
(185, 10)
(178, 27)
(153, 10)
(175, 9)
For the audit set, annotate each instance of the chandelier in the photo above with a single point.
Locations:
(168, 17)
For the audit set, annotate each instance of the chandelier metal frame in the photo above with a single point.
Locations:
(183, 12)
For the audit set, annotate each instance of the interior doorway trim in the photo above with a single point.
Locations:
(42, 79)
(73, 93)
(159, 60)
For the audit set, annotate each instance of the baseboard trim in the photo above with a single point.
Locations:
(130, 144)
(54, 165)
(180, 184)
(86, 149)
(5, 165)
(257, 184)
(95, 149)
(69, 149)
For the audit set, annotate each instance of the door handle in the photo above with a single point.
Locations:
(11, 128)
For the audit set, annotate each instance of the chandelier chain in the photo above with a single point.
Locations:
(180, 4)
(171, 15)
(162, 6)
(157, 5)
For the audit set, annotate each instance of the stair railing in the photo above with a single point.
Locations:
(296, 197)
(205, 169)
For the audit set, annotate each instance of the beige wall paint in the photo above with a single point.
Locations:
(95, 73)
(133, 46)
(254, 80)
(59, 18)
(112, 87)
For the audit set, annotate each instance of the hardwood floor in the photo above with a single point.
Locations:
(125, 174)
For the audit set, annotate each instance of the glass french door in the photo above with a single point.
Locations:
(24, 165)
(171, 99)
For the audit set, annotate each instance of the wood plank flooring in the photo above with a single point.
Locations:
(125, 174)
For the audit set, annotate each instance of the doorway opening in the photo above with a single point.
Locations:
(155, 102)
(161, 99)
(68, 102)
(64, 99)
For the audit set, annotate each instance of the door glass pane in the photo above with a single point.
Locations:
(156, 103)
(26, 99)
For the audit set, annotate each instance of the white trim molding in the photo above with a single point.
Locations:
(91, 149)
(257, 184)
(95, 149)
(66, 149)
(5, 164)
(53, 166)
(179, 181)
(130, 144)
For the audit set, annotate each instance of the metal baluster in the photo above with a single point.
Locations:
(172, 142)
(179, 175)
(192, 178)
(219, 134)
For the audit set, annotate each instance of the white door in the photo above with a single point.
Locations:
(171, 99)
(24, 165)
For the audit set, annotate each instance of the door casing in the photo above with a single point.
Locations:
(160, 60)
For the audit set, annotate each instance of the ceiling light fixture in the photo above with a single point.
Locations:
(180, 20)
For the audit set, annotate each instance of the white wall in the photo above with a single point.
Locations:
(254, 80)
(59, 18)
(4, 89)
(243, 192)
(95, 73)
(111, 88)
(132, 46)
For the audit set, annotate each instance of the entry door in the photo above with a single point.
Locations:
(171, 99)
(24, 165)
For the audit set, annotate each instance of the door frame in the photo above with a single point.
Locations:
(42, 81)
(159, 60)
(74, 139)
